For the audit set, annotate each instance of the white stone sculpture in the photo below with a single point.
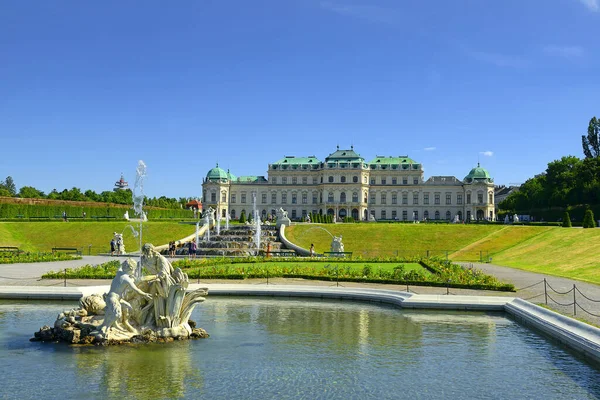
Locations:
(126, 215)
(152, 307)
(120, 243)
(515, 219)
(282, 218)
(336, 245)
(506, 219)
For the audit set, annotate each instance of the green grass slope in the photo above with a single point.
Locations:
(42, 236)
(568, 252)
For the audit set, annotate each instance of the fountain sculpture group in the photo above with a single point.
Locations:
(148, 307)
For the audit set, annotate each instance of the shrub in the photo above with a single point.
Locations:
(588, 219)
(243, 217)
(566, 220)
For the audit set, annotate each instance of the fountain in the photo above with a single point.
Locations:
(257, 229)
(207, 223)
(148, 308)
(218, 225)
(226, 220)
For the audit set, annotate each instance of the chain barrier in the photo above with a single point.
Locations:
(37, 278)
(574, 303)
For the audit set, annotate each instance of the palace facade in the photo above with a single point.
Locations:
(385, 188)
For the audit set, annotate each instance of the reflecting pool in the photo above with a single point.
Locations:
(278, 348)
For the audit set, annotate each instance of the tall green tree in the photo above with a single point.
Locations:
(588, 219)
(29, 192)
(9, 185)
(566, 223)
(591, 142)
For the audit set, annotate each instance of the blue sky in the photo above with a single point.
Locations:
(89, 88)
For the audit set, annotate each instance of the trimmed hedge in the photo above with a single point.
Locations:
(11, 211)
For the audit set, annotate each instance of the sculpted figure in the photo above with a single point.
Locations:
(117, 310)
(337, 245)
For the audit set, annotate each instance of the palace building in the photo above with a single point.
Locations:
(385, 188)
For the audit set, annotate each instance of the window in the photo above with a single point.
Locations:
(213, 197)
(355, 197)
(304, 213)
(372, 200)
(468, 198)
(330, 197)
(394, 214)
(448, 198)
(383, 181)
(394, 181)
(274, 179)
(342, 197)
(263, 198)
(283, 198)
(448, 215)
(437, 215)
(273, 198)
(416, 215)
(314, 180)
(314, 198)
(373, 214)
(372, 181)
(294, 198)
(243, 198)
(459, 199)
(480, 198)
(233, 198)
(223, 197)
(436, 199)
(294, 214)
(426, 214)
(232, 216)
(415, 181)
(294, 180)
(330, 179)
(343, 179)
(304, 180)
(394, 198)
(425, 198)
(355, 179)
(405, 181)
(491, 198)
(304, 198)
(365, 197)
(404, 215)
(404, 198)
(383, 198)
(383, 214)
(284, 180)
(415, 198)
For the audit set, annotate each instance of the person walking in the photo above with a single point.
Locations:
(113, 245)
(192, 249)
(312, 250)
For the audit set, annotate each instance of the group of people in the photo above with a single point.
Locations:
(116, 245)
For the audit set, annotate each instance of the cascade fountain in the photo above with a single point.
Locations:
(138, 203)
(226, 220)
(218, 225)
(257, 223)
(207, 223)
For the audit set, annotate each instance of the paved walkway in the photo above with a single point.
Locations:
(529, 284)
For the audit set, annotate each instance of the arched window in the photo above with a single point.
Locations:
(355, 179)
(223, 213)
(459, 215)
(343, 179)
(448, 215)
(437, 215)
(491, 198)
(342, 197)
(232, 214)
(330, 197)
(426, 214)
(331, 179)
(383, 214)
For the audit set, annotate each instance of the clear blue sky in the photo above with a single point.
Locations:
(89, 88)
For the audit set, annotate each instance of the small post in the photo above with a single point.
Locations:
(89, 249)
(545, 291)
(448, 287)
(337, 275)
(65, 282)
(574, 301)
(267, 275)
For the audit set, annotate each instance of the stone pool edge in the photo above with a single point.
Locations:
(576, 335)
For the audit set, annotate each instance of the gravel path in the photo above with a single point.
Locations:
(529, 285)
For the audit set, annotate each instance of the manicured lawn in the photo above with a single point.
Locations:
(42, 236)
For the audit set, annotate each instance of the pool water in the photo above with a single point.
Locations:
(280, 348)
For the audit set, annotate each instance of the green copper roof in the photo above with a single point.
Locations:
(251, 178)
(478, 173)
(216, 174)
(344, 155)
(293, 160)
(231, 176)
(392, 160)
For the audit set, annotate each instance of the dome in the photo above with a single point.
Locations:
(216, 174)
(478, 174)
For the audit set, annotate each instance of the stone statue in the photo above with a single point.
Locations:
(126, 215)
(282, 217)
(515, 219)
(119, 242)
(506, 219)
(137, 308)
(336, 245)
(281, 213)
(117, 310)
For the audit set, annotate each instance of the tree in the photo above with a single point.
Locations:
(29, 192)
(9, 185)
(591, 143)
(243, 217)
(566, 220)
(588, 219)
